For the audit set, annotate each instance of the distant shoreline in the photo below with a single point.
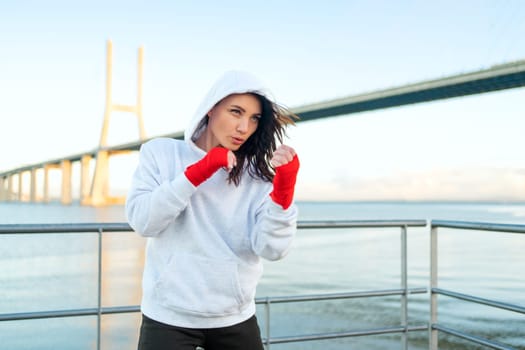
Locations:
(426, 201)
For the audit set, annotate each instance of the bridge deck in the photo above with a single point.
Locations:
(499, 77)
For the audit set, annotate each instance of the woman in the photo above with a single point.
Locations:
(212, 206)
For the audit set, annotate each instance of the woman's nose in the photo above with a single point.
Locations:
(242, 125)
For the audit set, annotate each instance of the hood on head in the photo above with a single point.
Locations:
(231, 82)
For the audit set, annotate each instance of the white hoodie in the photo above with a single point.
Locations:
(205, 243)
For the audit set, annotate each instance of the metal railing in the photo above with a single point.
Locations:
(433, 327)
(98, 311)
(435, 291)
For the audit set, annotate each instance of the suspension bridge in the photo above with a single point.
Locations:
(94, 185)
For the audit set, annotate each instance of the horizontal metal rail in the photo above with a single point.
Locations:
(434, 290)
(472, 338)
(64, 228)
(479, 226)
(69, 313)
(333, 296)
(333, 335)
(360, 223)
(124, 227)
(478, 300)
(261, 300)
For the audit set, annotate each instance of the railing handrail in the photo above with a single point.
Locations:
(483, 301)
(259, 300)
(479, 226)
(64, 228)
(356, 333)
(302, 224)
(92, 311)
(334, 296)
(472, 338)
(309, 224)
(124, 227)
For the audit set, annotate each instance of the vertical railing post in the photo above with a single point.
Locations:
(267, 309)
(99, 288)
(433, 336)
(404, 286)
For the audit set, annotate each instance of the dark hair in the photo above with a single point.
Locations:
(255, 154)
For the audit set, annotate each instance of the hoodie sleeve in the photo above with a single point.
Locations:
(154, 200)
(274, 230)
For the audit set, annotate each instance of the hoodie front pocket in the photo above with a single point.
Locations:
(200, 285)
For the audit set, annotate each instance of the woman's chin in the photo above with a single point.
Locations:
(230, 146)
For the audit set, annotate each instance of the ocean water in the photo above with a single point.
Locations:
(58, 271)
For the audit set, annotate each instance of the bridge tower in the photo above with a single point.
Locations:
(98, 194)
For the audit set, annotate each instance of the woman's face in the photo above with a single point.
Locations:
(233, 120)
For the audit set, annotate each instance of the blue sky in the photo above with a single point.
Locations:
(52, 68)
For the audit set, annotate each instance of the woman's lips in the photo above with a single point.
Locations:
(237, 140)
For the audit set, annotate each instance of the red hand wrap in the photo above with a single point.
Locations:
(199, 172)
(284, 183)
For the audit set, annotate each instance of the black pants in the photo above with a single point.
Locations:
(159, 336)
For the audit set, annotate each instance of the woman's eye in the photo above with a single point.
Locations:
(256, 118)
(236, 111)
